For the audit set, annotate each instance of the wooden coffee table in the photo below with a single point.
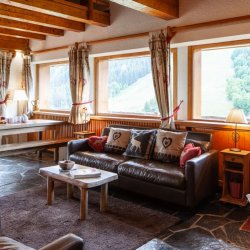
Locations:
(54, 173)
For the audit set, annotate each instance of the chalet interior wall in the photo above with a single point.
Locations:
(221, 138)
(125, 21)
(96, 125)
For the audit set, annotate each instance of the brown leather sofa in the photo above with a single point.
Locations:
(67, 242)
(165, 181)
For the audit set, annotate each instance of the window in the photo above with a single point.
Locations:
(125, 85)
(221, 80)
(54, 87)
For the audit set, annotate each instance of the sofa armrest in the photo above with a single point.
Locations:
(201, 177)
(77, 145)
(67, 242)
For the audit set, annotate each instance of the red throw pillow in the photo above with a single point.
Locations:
(189, 152)
(97, 143)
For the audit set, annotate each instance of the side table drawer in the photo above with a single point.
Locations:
(234, 158)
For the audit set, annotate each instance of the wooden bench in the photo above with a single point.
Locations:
(24, 147)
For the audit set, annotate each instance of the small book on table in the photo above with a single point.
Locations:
(85, 173)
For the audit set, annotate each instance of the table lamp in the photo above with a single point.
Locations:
(86, 117)
(236, 116)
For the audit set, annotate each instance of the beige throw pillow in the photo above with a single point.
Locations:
(118, 140)
(169, 145)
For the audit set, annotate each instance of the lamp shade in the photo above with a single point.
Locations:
(20, 95)
(236, 116)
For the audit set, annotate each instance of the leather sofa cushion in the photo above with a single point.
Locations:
(104, 161)
(10, 244)
(168, 174)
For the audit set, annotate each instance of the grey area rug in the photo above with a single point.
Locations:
(26, 218)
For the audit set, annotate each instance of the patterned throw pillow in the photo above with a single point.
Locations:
(141, 144)
(97, 143)
(117, 140)
(169, 145)
(189, 152)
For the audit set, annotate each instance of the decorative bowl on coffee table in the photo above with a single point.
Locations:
(66, 165)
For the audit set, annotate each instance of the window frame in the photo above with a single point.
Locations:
(37, 94)
(193, 66)
(130, 55)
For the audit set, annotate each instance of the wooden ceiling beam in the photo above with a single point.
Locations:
(165, 9)
(11, 43)
(63, 9)
(102, 2)
(19, 14)
(21, 34)
(33, 28)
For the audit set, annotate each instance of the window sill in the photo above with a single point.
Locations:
(116, 118)
(99, 117)
(189, 124)
(52, 113)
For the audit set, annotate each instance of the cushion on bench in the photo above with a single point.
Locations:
(104, 161)
(168, 174)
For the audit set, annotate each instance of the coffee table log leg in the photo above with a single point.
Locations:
(69, 190)
(83, 204)
(50, 190)
(104, 198)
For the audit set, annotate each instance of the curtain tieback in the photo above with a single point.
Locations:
(3, 84)
(81, 103)
(176, 109)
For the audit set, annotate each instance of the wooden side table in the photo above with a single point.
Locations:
(83, 134)
(235, 176)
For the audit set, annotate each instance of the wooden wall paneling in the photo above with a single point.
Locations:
(247, 140)
(222, 138)
(241, 143)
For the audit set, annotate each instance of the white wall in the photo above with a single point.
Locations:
(125, 21)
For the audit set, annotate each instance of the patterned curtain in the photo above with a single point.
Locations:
(79, 77)
(5, 62)
(27, 82)
(159, 44)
